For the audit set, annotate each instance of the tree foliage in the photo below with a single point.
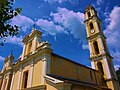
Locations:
(6, 14)
(118, 74)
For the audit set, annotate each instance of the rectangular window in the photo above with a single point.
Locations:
(25, 79)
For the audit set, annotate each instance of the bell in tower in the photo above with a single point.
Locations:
(92, 22)
(100, 57)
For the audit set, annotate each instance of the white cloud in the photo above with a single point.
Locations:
(1, 58)
(64, 20)
(49, 26)
(113, 34)
(14, 40)
(113, 29)
(71, 21)
(60, 1)
(85, 46)
(22, 21)
(99, 2)
(53, 1)
(116, 67)
(25, 23)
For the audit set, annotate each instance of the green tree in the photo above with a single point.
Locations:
(118, 74)
(7, 12)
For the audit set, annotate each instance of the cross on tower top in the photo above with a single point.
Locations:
(11, 51)
(34, 25)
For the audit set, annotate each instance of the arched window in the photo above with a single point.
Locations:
(89, 15)
(100, 67)
(96, 48)
(91, 26)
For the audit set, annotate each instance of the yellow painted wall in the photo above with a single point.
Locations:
(28, 49)
(114, 86)
(37, 72)
(15, 82)
(63, 67)
(51, 86)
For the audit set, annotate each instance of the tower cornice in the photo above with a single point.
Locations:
(94, 17)
(99, 34)
(100, 57)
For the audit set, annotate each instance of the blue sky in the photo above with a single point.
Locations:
(61, 22)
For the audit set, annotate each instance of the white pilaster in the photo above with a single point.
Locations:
(6, 84)
(2, 88)
(34, 44)
(44, 63)
(90, 48)
(31, 75)
(11, 86)
(93, 64)
(92, 12)
(19, 78)
(102, 49)
(48, 64)
(23, 53)
(107, 69)
(86, 15)
(87, 30)
(97, 27)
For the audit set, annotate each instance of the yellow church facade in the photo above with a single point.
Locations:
(39, 68)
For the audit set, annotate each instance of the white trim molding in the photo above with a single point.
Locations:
(11, 86)
(53, 80)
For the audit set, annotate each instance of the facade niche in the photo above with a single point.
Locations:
(96, 48)
(30, 47)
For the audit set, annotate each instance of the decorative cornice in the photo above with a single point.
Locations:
(89, 7)
(30, 36)
(94, 17)
(40, 87)
(111, 79)
(99, 34)
(100, 56)
(53, 80)
(32, 58)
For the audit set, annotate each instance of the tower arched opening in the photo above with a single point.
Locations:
(96, 48)
(91, 26)
(100, 67)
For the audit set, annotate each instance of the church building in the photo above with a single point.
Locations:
(39, 68)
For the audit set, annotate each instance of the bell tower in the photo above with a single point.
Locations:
(100, 57)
